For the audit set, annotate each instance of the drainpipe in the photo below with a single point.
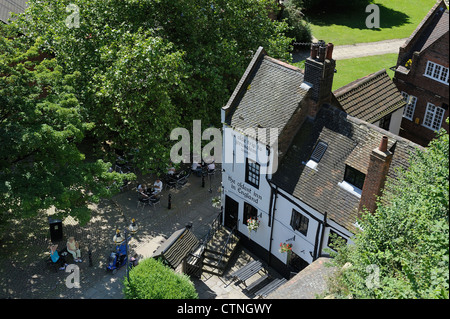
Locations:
(324, 223)
(275, 192)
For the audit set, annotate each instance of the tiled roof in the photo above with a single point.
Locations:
(431, 28)
(350, 141)
(268, 94)
(7, 6)
(177, 247)
(371, 97)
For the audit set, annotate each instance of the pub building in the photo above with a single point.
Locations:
(296, 162)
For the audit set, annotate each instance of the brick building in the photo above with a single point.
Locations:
(421, 76)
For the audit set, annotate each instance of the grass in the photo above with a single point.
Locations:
(398, 19)
(349, 70)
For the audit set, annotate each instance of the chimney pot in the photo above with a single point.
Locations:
(314, 50)
(383, 144)
(322, 50)
(330, 47)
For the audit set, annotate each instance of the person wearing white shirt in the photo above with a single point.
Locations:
(157, 187)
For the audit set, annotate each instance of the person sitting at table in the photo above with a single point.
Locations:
(74, 248)
(157, 187)
(171, 169)
(211, 167)
(56, 258)
(196, 169)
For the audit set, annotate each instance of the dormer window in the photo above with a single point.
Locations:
(354, 177)
(353, 181)
(317, 155)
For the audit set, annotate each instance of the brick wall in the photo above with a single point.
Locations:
(426, 90)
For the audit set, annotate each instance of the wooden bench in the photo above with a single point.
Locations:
(274, 284)
(256, 283)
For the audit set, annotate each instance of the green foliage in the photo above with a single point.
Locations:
(40, 128)
(151, 279)
(299, 30)
(407, 238)
(147, 67)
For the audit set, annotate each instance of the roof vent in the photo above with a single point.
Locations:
(320, 149)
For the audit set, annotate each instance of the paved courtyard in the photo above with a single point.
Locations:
(24, 249)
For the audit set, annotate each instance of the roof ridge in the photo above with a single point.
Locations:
(361, 82)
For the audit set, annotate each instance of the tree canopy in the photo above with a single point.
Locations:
(403, 249)
(91, 79)
(40, 127)
(148, 67)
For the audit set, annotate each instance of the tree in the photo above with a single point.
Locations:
(147, 67)
(40, 129)
(403, 250)
(151, 279)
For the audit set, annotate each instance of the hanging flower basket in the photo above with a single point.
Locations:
(285, 247)
(252, 224)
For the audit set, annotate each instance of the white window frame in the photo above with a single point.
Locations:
(410, 107)
(436, 72)
(433, 117)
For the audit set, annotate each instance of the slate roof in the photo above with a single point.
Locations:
(350, 141)
(370, 98)
(7, 6)
(177, 247)
(431, 28)
(268, 94)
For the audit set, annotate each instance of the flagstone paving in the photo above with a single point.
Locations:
(23, 271)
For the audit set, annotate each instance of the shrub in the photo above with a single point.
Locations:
(151, 279)
(299, 28)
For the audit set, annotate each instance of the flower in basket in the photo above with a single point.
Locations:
(252, 224)
(285, 247)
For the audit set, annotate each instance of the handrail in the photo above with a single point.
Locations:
(215, 225)
(231, 240)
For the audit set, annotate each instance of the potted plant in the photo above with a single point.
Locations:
(252, 224)
(285, 247)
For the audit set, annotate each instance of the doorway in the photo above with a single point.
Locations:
(231, 212)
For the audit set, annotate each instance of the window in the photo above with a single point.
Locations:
(436, 72)
(385, 122)
(252, 173)
(410, 106)
(334, 238)
(354, 177)
(249, 212)
(299, 222)
(433, 117)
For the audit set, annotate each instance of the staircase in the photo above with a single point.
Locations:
(218, 251)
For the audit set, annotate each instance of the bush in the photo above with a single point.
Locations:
(299, 28)
(151, 279)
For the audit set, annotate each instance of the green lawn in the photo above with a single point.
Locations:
(398, 19)
(352, 69)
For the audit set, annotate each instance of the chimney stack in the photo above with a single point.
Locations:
(380, 160)
(319, 73)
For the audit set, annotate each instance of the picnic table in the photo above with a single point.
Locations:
(246, 272)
